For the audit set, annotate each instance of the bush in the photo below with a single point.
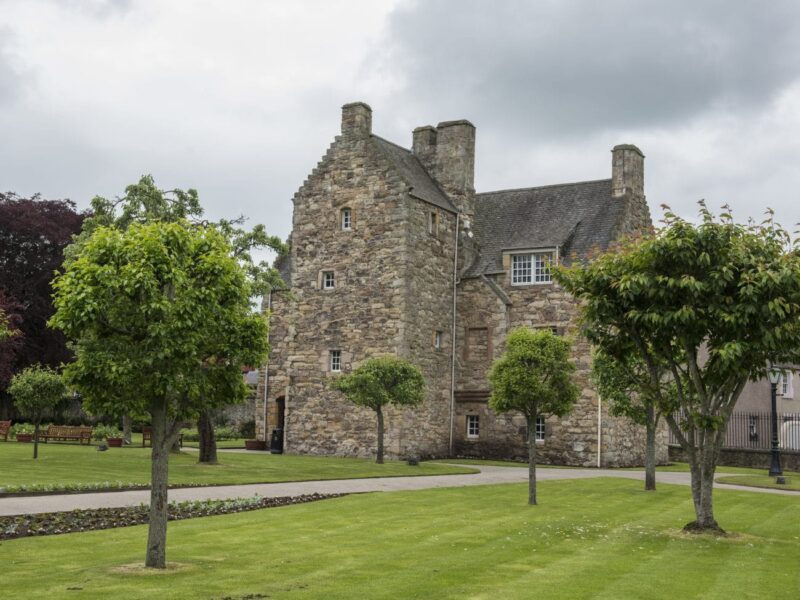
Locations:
(103, 432)
(220, 434)
(20, 428)
(248, 429)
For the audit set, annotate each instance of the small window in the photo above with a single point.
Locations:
(531, 268)
(437, 340)
(433, 223)
(540, 429)
(336, 361)
(328, 280)
(347, 219)
(473, 426)
(785, 385)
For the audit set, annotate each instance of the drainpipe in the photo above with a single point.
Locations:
(453, 339)
(599, 429)
(266, 374)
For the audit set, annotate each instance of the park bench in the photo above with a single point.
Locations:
(147, 437)
(66, 433)
(5, 426)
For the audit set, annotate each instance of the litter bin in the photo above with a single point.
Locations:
(276, 441)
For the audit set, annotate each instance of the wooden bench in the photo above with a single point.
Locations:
(5, 426)
(66, 433)
(147, 437)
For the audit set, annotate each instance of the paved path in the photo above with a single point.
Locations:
(489, 475)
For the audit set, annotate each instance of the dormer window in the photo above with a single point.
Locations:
(433, 223)
(346, 219)
(531, 268)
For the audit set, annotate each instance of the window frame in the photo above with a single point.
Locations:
(325, 280)
(437, 340)
(785, 388)
(540, 431)
(433, 222)
(536, 271)
(346, 219)
(335, 358)
(473, 426)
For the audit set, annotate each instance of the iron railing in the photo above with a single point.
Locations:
(753, 430)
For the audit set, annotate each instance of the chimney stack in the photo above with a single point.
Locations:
(356, 120)
(627, 171)
(424, 147)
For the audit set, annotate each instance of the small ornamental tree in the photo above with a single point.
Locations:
(533, 377)
(381, 381)
(163, 324)
(36, 391)
(710, 304)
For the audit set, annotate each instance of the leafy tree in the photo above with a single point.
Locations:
(10, 338)
(163, 324)
(36, 391)
(714, 302)
(33, 235)
(533, 377)
(144, 202)
(379, 382)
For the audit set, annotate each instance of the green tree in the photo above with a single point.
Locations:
(144, 202)
(36, 391)
(379, 382)
(533, 376)
(5, 329)
(714, 302)
(163, 324)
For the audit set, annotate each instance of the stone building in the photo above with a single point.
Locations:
(393, 252)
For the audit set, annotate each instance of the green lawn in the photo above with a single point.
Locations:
(601, 539)
(64, 464)
(765, 481)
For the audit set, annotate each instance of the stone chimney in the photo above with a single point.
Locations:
(627, 171)
(448, 153)
(356, 120)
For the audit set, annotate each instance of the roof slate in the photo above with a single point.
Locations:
(421, 184)
(574, 217)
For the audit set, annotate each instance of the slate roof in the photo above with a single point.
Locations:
(421, 185)
(575, 217)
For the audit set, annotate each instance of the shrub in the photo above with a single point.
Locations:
(103, 432)
(220, 434)
(20, 428)
(248, 429)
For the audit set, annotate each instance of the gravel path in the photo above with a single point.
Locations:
(489, 475)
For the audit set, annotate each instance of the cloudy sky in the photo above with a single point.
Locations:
(240, 98)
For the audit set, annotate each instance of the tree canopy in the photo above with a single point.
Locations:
(381, 381)
(533, 377)
(36, 391)
(710, 305)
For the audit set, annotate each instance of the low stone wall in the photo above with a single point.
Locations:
(735, 457)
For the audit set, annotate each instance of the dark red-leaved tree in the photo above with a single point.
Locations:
(11, 317)
(33, 235)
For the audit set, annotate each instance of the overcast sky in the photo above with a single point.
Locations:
(241, 98)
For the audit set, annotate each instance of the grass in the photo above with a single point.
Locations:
(69, 464)
(601, 539)
(763, 481)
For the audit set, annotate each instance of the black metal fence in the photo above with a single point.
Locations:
(753, 431)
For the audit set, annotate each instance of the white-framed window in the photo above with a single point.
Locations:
(433, 222)
(785, 387)
(328, 280)
(473, 426)
(347, 219)
(335, 357)
(437, 340)
(540, 428)
(530, 268)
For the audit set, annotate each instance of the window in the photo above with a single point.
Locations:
(336, 361)
(328, 280)
(347, 219)
(437, 340)
(785, 385)
(473, 426)
(433, 223)
(531, 268)
(540, 429)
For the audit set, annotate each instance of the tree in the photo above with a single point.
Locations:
(533, 376)
(714, 302)
(36, 391)
(144, 202)
(33, 235)
(379, 382)
(10, 338)
(162, 320)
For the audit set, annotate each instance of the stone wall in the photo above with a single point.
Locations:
(740, 457)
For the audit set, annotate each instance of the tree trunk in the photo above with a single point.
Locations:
(532, 460)
(650, 451)
(126, 430)
(380, 435)
(36, 440)
(207, 440)
(159, 462)
(703, 468)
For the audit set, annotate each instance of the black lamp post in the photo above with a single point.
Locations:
(775, 466)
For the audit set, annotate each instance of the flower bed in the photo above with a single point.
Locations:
(107, 518)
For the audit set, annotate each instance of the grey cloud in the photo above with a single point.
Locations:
(13, 79)
(566, 68)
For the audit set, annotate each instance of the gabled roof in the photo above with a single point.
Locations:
(574, 217)
(421, 185)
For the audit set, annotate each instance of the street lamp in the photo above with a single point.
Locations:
(774, 375)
